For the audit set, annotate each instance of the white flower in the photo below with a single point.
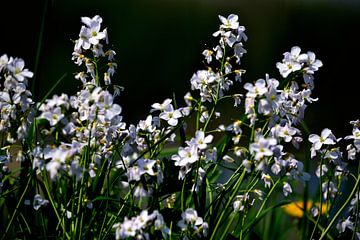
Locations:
(3, 61)
(57, 158)
(94, 25)
(161, 106)
(185, 156)
(219, 52)
(258, 89)
(356, 136)
(313, 64)
(262, 147)
(239, 51)
(189, 217)
(230, 22)
(344, 224)
(16, 67)
(146, 166)
(287, 189)
(291, 62)
(170, 115)
(83, 41)
(201, 79)
(286, 132)
(39, 201)
(208, 55)
(53, 115)
(329, 189)
(326, 138)
(146, 125)
(200, 141)
(240, 201)
(323, 169)
(267, 180)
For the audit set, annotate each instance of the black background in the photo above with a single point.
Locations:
(159, 45)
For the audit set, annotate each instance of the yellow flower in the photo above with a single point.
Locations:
(296, 209)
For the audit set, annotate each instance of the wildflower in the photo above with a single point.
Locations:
(287, 189)
(343, 224)
(356, 136)
(191, 221)
(161, 106)
(329, 189)
(219, 52)
(94, 25)
(39, 201)
(286, 132)
(267, 180)
(241, 202)
(83, 41)
(239, 51)
(326, 138)
(262, 147)
(16, 67)
(146, 166)
(256, 90)
(53, 115)
(200, 141)
(185, 156)
(230, 22)
(4, 60)
(291, 62)
(208, 55)
(171, 116)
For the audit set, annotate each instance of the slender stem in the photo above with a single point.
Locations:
(342, 208)
(61, 222)
(16, 208)
(320, 210)
(236, 188)
(267, 197)
(225, 230)
(210, 195)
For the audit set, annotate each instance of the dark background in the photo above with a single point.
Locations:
(159, 45)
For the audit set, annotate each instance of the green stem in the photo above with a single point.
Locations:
(236, 188)
(320, 208)
(341, 209)
(17, 208)
(225, 231)
(266, 198)
(61, 222)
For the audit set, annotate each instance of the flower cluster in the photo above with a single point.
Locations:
(15, 99)
(81, 161)
(212, 84)
(305, 63)
(89, 50)
(191, 224)
(136, 227)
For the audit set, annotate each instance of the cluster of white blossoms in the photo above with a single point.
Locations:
(195, 150)
(138, 227)
(17, 110)
(89, 50)
(333, 171)
(162, 163)
(305, 63)
(15, 99)
(212, 84)
(192, 224)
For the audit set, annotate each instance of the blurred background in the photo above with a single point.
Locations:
(159, 45)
